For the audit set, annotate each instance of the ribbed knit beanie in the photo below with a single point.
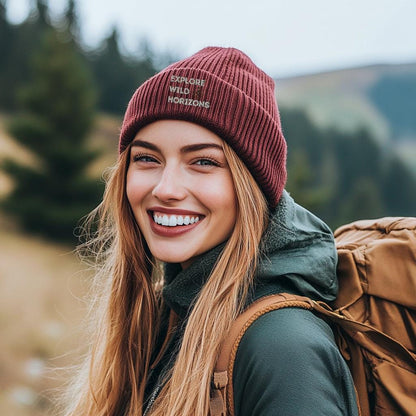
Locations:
(224, 91)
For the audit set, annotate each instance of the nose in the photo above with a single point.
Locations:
(170, 186)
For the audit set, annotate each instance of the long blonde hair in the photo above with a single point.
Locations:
(128, 305)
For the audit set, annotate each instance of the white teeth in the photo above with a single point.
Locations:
(174, 220)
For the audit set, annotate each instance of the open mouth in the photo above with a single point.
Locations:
(174, 220)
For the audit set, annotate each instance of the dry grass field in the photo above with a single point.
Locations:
(42, 286)
(42, 297)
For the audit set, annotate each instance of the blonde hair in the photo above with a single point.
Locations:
(113, 379)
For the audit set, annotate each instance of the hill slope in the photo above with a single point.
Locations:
(381, 98)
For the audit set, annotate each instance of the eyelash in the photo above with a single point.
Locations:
(213, 162)
(140, 157)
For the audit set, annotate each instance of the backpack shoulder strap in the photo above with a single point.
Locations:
(222, 386)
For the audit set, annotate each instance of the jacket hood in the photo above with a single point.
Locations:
(298, 256)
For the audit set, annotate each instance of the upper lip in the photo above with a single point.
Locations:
(174, 211)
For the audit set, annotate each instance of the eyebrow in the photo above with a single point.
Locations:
(186, 149)
(146, 145)
(200, 146)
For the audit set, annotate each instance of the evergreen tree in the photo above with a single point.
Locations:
(6, 43)
(71, 20)
(58, 105)
(5, 34)
(301, 183)
(118, 76)
(363, 201)
(399, 188)
(112, 75)
(17, 44)
(42, 10)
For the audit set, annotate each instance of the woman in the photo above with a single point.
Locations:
(194, 226)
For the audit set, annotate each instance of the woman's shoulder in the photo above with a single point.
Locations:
(290, 360)
(284, 327)
(288, 334)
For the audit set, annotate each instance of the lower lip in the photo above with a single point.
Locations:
(165, 231)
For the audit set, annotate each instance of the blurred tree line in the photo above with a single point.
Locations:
(53, 86)
(115, 75)
(343, 176)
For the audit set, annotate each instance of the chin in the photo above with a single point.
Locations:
(173, 258)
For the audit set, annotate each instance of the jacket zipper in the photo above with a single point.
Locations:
(173, 321)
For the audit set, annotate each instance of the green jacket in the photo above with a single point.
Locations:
(287, 362)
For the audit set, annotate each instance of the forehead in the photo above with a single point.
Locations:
(176, 133)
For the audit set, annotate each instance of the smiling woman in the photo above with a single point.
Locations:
(199, 190)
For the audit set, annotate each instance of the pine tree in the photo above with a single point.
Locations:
(17, 43)
(117, 75)
(6, 39)
(58, 107)
(71, 20)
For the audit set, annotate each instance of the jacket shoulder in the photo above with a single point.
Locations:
(288, 363)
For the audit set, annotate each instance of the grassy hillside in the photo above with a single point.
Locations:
(335, 99)
(41, 310)
(381, 98)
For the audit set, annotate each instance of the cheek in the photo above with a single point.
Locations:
(221, 198)
(135, 190)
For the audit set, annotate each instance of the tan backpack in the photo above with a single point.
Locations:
(373, 318)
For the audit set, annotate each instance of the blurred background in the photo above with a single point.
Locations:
(345, 77)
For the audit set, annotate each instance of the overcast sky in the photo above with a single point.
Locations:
(284, 37)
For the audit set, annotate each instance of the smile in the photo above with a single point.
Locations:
(174, 220)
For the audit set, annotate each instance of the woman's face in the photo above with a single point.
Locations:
(180, 189)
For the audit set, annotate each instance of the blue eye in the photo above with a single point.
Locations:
(206, 162)
(143, 158)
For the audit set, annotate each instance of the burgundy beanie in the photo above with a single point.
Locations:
(224, 91)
